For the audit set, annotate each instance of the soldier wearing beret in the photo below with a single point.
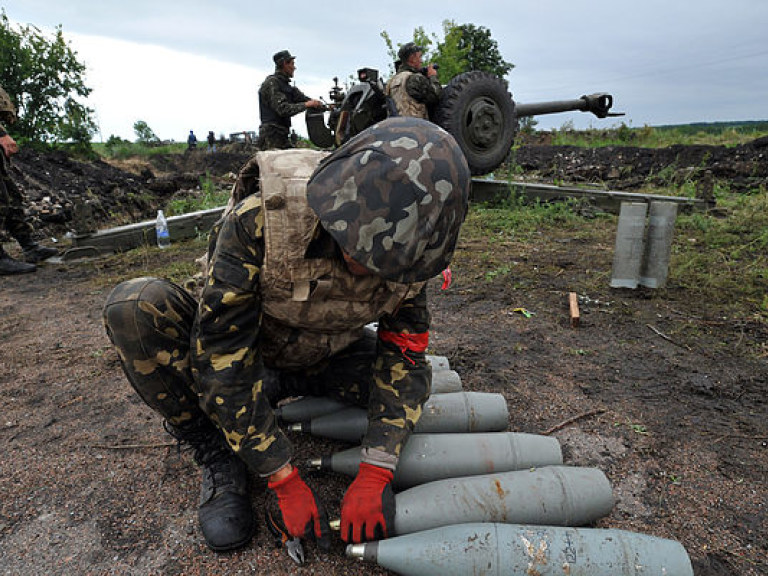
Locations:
(278, 101)
(325, 246)
(413, 91)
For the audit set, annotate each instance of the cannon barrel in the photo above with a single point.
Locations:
(475, 107)
(598, 104)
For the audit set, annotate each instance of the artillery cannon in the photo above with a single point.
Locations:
(475, 107)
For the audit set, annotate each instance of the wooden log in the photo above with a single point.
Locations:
(573, 302)
(484, 190)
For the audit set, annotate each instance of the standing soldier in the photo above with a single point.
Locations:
(278, 101)
(191, 140)
(412, 90)
(295, 273)
(12, 216)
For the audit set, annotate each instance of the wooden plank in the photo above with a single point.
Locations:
(122, 238)
(609, 200)
(573, 303)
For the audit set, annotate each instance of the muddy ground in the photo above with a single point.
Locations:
(653, 388)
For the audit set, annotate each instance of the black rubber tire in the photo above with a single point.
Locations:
(478, 111)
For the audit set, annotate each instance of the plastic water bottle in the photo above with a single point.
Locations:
(161, 228)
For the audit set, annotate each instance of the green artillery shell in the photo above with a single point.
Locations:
(658, 244)
(553, 495)
(438, 363)
(429, 457)
(628, 252)
(308, 407)
(442, 413)
(445, 380)
(518, 550)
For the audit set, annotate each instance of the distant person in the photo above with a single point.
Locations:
(12, 216)
(412, 90)
(211, 142)
(278, 101)
(191, 141)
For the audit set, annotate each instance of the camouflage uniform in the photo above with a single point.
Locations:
(413, 92)
(278, 101)
(281, 315)
(12, 216)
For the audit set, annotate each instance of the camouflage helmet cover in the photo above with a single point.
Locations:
(6, 105)
(394, 198)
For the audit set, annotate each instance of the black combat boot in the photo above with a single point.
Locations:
(10, 266)
(225, 514)
(35, 253)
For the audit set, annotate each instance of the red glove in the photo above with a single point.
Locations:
(368, 508)
(300, 510)
(8, 145)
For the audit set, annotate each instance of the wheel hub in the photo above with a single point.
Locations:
(483, 123)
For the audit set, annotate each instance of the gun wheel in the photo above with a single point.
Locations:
(478, 111)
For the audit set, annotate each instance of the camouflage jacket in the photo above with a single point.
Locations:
(413, 92)
(244, 323)
(5, 161)
(279, 100)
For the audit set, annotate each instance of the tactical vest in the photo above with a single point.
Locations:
(313, 307)
(267, 114)
(406, 105)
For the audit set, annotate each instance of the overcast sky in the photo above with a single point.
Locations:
(197, 64)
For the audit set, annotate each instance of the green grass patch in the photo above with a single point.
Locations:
(207, 197)
(176, 263)
(503, 270)
(715, 134)
(719, 258)
(516, 219)
(123, 149)
(724, 255)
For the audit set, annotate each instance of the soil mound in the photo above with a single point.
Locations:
(118, 192)
(626, 168)
(124, 191)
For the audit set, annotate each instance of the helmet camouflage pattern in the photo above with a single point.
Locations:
(394, 198)
(7, 109)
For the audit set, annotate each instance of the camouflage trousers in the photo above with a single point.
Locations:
(149, 321)
(274, 137)
(12, 217)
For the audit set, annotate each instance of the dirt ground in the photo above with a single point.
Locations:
(653, 390)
